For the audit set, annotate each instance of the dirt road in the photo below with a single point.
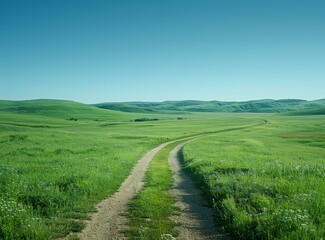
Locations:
(196, 221)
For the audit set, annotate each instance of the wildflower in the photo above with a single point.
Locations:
(167, 237)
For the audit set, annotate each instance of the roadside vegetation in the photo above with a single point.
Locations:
(266, 182)
(49, 178)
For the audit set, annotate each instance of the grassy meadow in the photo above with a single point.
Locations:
(264, 172)
(266, 182)
(59, 173)
(59, 158)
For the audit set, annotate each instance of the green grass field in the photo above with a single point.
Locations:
(59, 173)
(59, 158)
(267, 182)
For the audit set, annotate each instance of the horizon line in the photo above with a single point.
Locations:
(143, 101)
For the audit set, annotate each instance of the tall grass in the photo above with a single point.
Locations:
(266, 182)
(50, 179)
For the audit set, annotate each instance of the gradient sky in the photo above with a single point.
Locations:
(135, 50)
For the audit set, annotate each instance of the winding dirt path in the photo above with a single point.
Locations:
(108, 222)
(196, 221)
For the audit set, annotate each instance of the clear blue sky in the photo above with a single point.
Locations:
(129, 50)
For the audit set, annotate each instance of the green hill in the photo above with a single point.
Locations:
(71, 110)
(255, 106)
(61, 109)
(317, 111)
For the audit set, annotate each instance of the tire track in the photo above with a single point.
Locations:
(195, 220)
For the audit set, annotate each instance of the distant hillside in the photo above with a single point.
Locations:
(73, 110)
(58, 109)
(255, 106)
(317, 111)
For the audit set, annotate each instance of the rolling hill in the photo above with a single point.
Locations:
(64, 109)
(61, 109)
(254, 106)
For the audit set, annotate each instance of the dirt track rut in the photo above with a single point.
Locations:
(195, 220)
